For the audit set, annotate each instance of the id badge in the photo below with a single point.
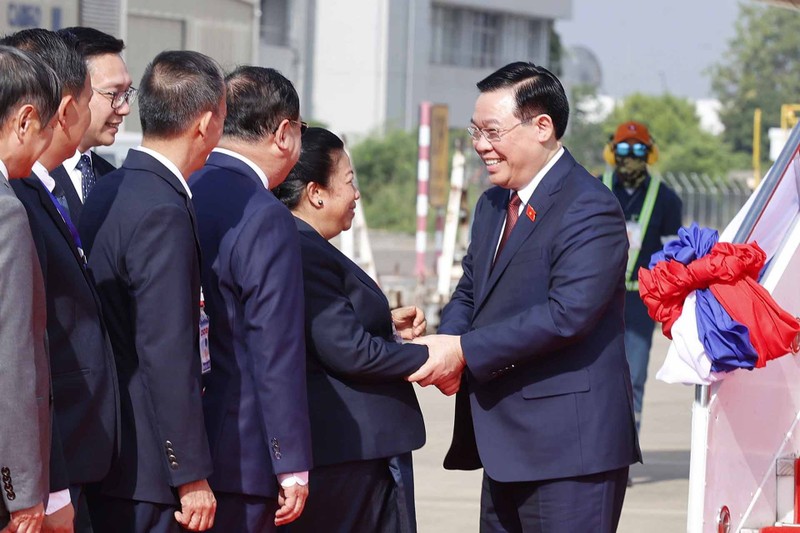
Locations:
(205, 352)
(634, 235)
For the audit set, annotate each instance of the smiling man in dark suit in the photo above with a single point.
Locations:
(139, 230)
(29, 96)
(255, 399)
(85, 396)
(110, 102)
(535, 324)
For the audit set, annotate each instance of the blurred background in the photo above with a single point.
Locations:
(716, 81)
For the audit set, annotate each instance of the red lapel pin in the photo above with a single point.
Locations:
(531, 212)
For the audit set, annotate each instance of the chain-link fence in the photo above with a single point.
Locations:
(711, 202)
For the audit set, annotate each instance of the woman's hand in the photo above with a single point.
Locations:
(409, 322)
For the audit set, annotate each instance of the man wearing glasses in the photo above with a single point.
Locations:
(653, 214)
(532, 339)
(112, 96)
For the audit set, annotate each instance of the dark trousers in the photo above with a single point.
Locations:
(585, 503)
(83, 521)
(118, 515)
(248, 514)
(352, 497)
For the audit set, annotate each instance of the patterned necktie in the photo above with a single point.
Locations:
(88, 179)
(512, 215)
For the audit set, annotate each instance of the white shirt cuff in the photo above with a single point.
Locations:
(57, 501)
(293, 478)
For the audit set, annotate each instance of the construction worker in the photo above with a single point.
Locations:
(653, 214)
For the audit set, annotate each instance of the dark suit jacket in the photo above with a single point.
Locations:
(542, 334)
(85, 393)
(361, 407)
(138, 229)
(101, 168)
(255, 398)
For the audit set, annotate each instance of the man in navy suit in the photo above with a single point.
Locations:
(255, 398)
(85, 396)
(139, 230)
(534, 330)
(111, 99)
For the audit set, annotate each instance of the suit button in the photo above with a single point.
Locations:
(11, 495)
(168, 444)
(5, 471)
(173, 465)
(172, 458)
(277, 455)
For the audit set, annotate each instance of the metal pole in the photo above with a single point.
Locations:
(423, 176)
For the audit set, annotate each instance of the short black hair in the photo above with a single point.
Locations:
(91, 42)
(26, 79)
(536, 90)
(48, 46)
(177, 86)
(318, 157)
(258, 100)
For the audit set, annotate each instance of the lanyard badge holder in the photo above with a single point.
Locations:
(205, 352)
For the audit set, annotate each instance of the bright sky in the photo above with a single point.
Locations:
(653, 46)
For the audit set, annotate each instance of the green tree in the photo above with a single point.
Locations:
(759, 69)
(386, 168)
(585, 137)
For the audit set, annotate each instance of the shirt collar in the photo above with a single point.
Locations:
(167, 163)
(44, 176)
(72, 162)
(3, 170)
(526, 192)
(249, 163)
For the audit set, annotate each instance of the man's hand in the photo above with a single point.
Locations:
(444, 365)
(409, 322)
(62, 521)
(198, 506)
(291, 501)
(27, 520)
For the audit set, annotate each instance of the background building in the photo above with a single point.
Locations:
(362, 66)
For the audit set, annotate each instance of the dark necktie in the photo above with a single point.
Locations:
(58, 192)
(512, 215)
(88, 179)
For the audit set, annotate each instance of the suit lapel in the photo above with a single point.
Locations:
(498, 199)
(61, 176)
(357, 271)
(47, 203)
(541, 201)
(138, 160)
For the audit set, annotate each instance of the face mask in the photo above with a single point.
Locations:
(632, 171)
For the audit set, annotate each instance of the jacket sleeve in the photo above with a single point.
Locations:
(267, 267)
(586, 271)
(340, 341)
(20, 461)
(160, 259)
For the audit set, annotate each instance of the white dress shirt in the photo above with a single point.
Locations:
(167, 163)
(74, 173)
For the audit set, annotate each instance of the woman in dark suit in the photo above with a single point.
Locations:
(365, 419)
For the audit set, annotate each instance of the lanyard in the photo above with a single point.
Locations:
(644, 216)
(76, 239)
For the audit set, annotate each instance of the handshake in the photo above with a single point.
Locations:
(445, 359)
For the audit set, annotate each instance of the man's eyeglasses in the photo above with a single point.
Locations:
(493, 134)
(119, 98)
(303, 125)
(625, 149)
